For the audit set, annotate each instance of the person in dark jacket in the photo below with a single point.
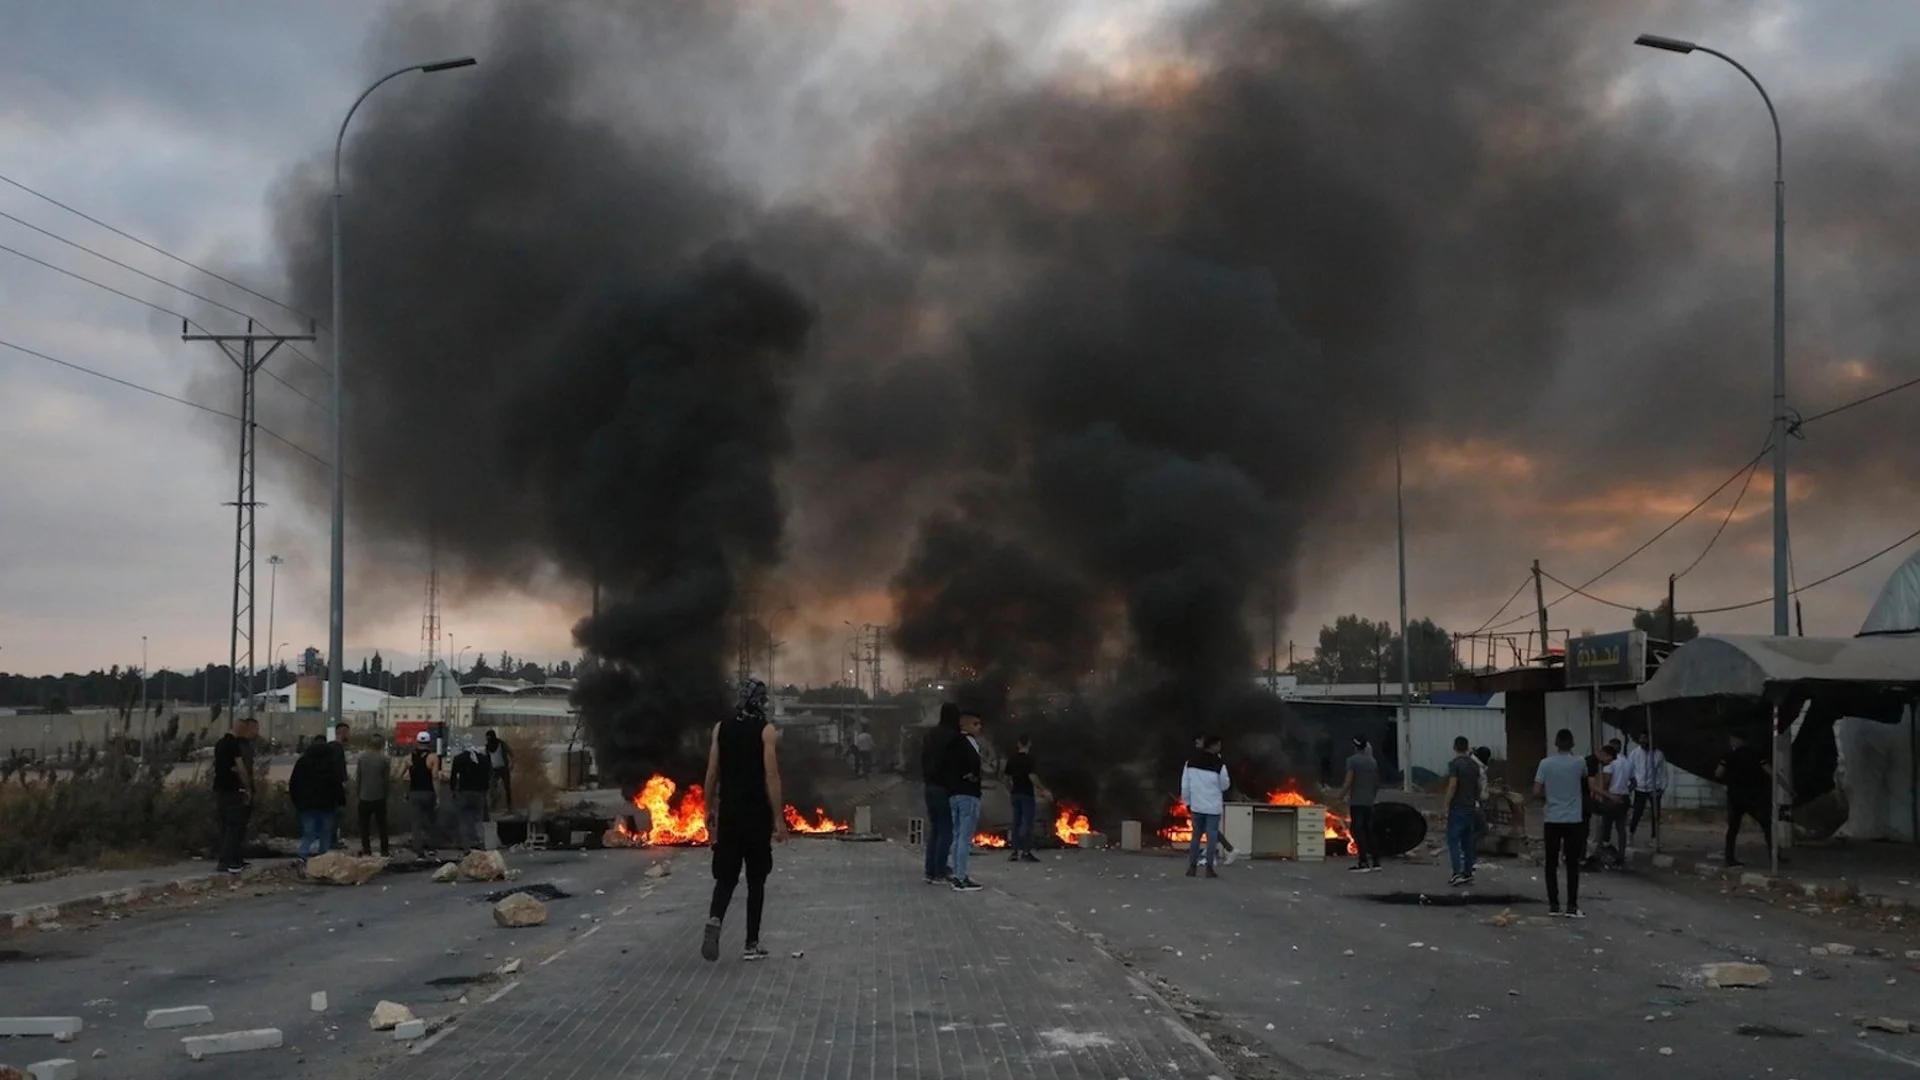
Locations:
(962, 777)
(315, 791)
(471, 776)
(338, 747)
(933, 764)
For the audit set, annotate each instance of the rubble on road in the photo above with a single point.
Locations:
(1505, 918)
(1888, 1024)
(232, 1042)
(447, 872)
(519, 909)
(184, 1016)
(55, 1069)
(484, 866)
(1729, 976)
(389, 1014)
(340, 868)
(659, 870)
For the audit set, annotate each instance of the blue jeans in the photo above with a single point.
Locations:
(1022, 838)
(1460, 829)
(1207, 825)
(939, 838)
(966, 816)
(316, 832)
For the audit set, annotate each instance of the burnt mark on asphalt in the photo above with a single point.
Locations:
(539, 890)
(1458, 899)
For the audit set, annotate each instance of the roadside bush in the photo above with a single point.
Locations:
(530, 779)
(79, 819)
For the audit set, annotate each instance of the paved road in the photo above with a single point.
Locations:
(255, 959)
(873, 974)
(1301, 964)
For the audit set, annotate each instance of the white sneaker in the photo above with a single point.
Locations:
(1227, 858)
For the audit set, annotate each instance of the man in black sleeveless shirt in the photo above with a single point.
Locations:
(743, 813)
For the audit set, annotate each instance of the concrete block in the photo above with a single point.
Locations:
(317, 1001)
(184, 1016)
(54, 1069)
(233, 1042)
(862, 820)
(490, 835)
(55, 1026)
(1092, 841)
(411, 1029)
(917, 832)
(1663, 862)
(1756, 881)
(1129, 836)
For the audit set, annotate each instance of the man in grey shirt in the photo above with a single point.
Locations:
(1362, 786)
(371, 773)
(1562, 780)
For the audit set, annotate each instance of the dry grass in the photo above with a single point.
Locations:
(530, 779)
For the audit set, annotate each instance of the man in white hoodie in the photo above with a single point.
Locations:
(1203, 787)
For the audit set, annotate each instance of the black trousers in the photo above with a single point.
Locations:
(742, 848)
(1641, 801)
(232, 812)
(1754, 807)
(1565, 843)
(371, 812)
(1364, 844)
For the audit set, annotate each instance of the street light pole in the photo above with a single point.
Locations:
(273, 595)
(1780, 422)
(1406, 647)
(336, 619)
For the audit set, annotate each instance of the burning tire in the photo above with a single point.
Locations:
(1398, 828)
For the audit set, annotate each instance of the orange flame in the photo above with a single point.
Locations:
(821, 823)
(684, 820)
(1071, 825)
(989, 840)
(1181, 831)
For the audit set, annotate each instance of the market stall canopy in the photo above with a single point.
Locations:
(1863, 676)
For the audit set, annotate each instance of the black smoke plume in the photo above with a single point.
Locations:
(1102, 349)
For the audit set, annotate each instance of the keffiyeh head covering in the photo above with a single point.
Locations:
(750, 701)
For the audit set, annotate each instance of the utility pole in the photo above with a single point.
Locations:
(273, 595)
(430, 614)
(1406, 647)
(1540, 605)
(245, 352)
(1273, 643)
(1673, 617)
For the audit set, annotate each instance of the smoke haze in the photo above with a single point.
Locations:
(1080, 350)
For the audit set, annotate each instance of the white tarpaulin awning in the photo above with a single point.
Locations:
(1742, 665)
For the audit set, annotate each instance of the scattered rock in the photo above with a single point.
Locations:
(1771, 1031)
(388, 1014)
(55, 1069)
(317, 1001)
(1730, 976)
(1834, 948)
(447, 872)
(511, 967)
(484, 866)
(411, 1029)
(519, 909)
(1818, 950)
(340, 868)
(659, 869)
(1505, 918)
(98, 1054)
(1887, 1024)
(1666, 1051)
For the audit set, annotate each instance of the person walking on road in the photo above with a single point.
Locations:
(1463, 810)
(862, 753)
(500, 768)
(1360, 791)
(1649, 769)
(315, 792)
(962, 776)
(423, 766)
(469, 781)
(1022, 787)
(743, 804)
(933, 766)
(1562, 780)
(1612, 790)
(1749, 783)
(233, 791)
(371, 773)
(1203, 787)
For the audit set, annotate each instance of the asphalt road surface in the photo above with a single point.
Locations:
(1303, 970)
(255, 960)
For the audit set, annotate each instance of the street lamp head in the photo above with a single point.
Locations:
(448, 65)
(1655, 41)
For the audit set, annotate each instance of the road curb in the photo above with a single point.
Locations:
(42, 914)
(1832, 890)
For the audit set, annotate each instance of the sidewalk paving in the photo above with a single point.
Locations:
(1876, 875)
(873, 973)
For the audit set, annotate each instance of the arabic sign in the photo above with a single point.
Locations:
(1608, 659)
(306, 693)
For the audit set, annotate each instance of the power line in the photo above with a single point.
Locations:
(156, 280)
(157, 249)
(1572, 591)
(1814, 584)
(144, 302)
(1724, 522)
(163, 395)
(1855, 403)
(1522, 587)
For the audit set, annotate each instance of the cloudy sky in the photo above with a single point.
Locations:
(182, 123)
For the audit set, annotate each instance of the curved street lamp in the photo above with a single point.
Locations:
(336, 623)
